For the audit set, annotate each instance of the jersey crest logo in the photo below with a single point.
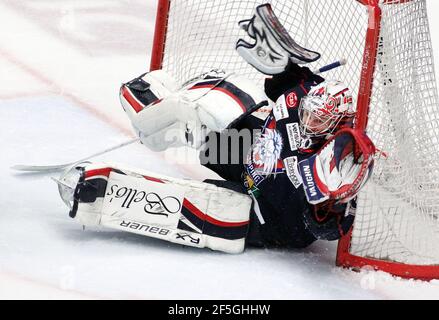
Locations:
(266, 153)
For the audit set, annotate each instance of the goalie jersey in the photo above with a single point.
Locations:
(269, 170)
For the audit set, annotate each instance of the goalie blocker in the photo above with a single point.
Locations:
(186, 212)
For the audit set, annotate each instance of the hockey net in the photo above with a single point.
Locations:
(390, 71)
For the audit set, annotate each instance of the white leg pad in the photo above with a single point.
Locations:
(177, 210)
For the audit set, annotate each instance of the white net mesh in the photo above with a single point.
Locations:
(397, 213)
(202, 34)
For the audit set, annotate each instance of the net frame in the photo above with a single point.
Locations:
(367, 73)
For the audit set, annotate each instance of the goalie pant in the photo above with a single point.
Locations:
(181, 211)
(270, 170)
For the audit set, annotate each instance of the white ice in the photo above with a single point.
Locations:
(61, 67)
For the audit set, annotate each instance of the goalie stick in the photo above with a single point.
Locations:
(331, 66)
(56, 167)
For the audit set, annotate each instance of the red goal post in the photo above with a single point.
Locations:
(344, 257)
(161, 24)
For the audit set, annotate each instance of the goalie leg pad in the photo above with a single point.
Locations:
(155, 122)
(222, 99)
(181, 211)
(185, 117)
(145, 90)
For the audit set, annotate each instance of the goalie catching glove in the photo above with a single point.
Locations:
(274, 49)
(339, 169)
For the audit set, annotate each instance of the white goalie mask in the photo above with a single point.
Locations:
(327, 107)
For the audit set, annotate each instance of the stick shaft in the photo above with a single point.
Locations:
(32, 168)
(331, 66)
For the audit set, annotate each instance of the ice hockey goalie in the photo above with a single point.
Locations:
(293, 182)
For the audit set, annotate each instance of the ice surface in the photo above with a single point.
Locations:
(61, 70)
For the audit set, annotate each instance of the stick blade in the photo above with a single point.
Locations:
(30, 168)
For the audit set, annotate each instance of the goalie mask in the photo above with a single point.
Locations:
(327, 107)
